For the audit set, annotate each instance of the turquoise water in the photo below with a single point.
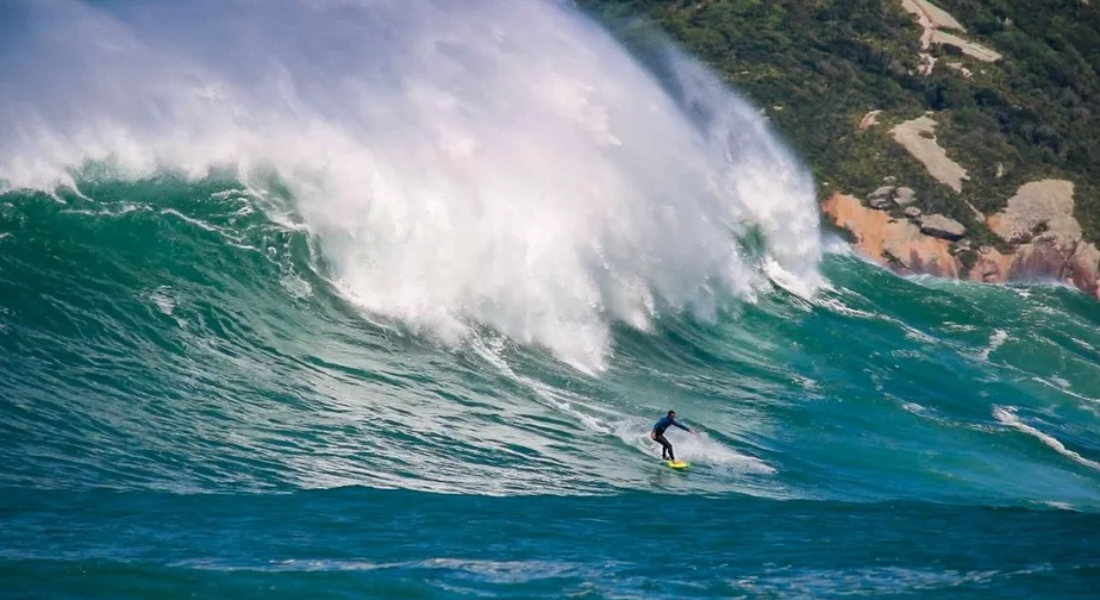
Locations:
(181, 417)
(417, 351)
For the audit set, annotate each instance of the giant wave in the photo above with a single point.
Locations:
(494, 163)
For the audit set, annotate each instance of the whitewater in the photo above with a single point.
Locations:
(380, 299)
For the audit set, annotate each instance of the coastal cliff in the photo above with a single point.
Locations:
(1033, 237)
(1041, 242)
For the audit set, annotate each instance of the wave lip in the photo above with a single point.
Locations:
(1009, 417)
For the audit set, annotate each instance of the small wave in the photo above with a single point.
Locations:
(1008, 417)
(914, 408)
(502, 571)
(873, 582)
(1062, 386)
(917, 335)
(108, 211)
(806, 383)
(164, 302)
(1083, 344)
(837, 306)
(1060, 505)
(999, 337)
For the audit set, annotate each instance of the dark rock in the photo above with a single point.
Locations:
(941, 227)
(880, 198)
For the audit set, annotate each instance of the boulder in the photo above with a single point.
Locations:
(941, 227)
(912, 212)
(1083, 269)
(880, 198)
(904, 196)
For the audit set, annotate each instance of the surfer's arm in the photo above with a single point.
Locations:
(684, 427)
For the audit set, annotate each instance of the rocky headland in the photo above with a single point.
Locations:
(1038, 237)
(1041, 238)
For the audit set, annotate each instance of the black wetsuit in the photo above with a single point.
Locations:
(659, 435)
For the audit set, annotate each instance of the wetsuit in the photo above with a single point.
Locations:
(659, 435)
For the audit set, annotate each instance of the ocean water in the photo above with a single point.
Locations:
(379, 300)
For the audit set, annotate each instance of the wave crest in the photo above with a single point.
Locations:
(497, 162)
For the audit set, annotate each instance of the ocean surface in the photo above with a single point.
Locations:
(380, 300)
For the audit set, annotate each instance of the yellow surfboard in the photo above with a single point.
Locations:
(677, 464)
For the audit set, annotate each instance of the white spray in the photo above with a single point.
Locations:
(489, 162)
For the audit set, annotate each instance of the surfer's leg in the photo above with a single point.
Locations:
(653, 436)
(666, 448)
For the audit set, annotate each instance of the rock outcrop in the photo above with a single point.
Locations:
(1040, 205)
(1037, 223)
(904, 196)
(868, 120)
(881, 197)
(1042, 260)
(886, 196)
(918, 137)
(933, 20)
(898, 244)
(942, 227)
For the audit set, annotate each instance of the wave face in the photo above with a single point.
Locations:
(317, 298)
(495, 162)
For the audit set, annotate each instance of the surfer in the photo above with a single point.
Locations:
(658, 434)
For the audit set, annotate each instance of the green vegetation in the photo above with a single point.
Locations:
(1034, 114)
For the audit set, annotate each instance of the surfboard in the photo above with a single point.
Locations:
(677, 464)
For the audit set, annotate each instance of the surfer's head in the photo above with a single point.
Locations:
(672, 414)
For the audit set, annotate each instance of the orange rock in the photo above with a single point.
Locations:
(1083, 269)
(992, 267)
(895, 243)
(899, 245)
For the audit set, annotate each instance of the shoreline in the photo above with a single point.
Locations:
(906, 247)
